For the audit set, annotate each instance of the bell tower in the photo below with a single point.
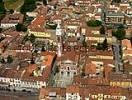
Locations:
(59, 39)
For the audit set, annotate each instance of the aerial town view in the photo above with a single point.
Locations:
(65, 49)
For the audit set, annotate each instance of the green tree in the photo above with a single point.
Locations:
(25, 38)
(9, 59)
(2, 8)
(119, 33)
(117, 1)
(45, 2)
(21, 27)
(99, 46)
(105, 44)
(28, 6)
(102, 30)
(94, 23)
(2, 60)
(32, 38)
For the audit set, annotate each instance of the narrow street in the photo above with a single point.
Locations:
(18, 95)
(118, 61)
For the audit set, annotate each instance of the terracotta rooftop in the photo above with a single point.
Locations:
(127, 43)
(72, 89)
(90, 68)
(38, 22)
(13, 18)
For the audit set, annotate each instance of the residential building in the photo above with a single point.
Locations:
(11, 20)
(31, 78)
(114, 18)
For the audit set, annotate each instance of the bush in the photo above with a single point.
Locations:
(94, 23)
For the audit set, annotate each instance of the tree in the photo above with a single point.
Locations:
(45, 2)
(117, 1)
(28, 6)
(9, 59)
(32, 38)
(2, 8)
(99, 46)
(2, 60)
(94, 23)
(119, 33)
(21, 27)
(121, 26)
(102, 30)
(105, 44)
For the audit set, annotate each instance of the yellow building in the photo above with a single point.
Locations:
(40, 33)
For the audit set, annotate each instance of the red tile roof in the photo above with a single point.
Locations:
(37, 22)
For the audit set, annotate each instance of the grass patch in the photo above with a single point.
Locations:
(13, 4)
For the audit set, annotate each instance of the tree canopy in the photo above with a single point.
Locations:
(21, 27)
(2, 8)
(117, 1)
(28, 6)
(102, 30)
(30, 38)
(119, 33)
(94, 23)
(45, 2)
(103, 45)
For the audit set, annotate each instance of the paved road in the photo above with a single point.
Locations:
(117, 55)
(18, 95)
